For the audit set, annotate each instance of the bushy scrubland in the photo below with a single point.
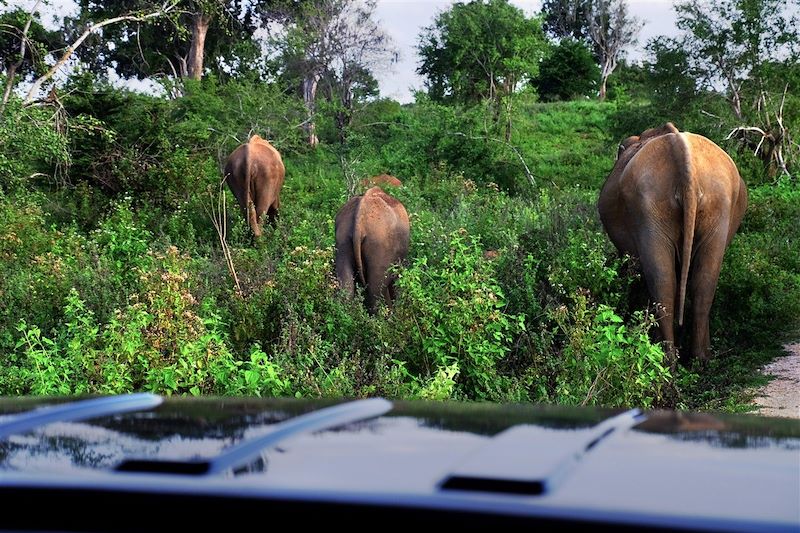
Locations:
(113, 277)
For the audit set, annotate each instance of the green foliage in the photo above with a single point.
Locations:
(36, 271)
(38, 45)
(479, 50)
(115, 281)
(568, 72)
(566, 18)
(670, 81)
(748, 48)
(431, 140)
(568, 144)
(461, 326)
(64, 364)
(606, 362)
(29, 147)
(229, 42)
(759, 291)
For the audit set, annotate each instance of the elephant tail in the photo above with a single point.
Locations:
(689, 194)
(248, 180)
(358, 237)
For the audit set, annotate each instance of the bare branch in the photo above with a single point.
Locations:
(12, 69)
(166, 8)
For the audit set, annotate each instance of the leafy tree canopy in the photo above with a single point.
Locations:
(569, 71)
(480, 49)
(38, 42)
(164, 46)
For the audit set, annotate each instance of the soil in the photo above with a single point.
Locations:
(781, 396)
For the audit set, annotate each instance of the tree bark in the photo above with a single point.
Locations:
(11, 72)
(200, 23)
(310, 83)
(344, 116)
(609, 65)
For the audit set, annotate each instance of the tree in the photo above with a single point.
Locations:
(565, 18)
(24, 46)
(611, 29)
(670, 78)
(178, 46)
(568, 71)
(340, 42)
(94, 28)
(481, 50)
(746, 48)
(730, 41)
(606, 25)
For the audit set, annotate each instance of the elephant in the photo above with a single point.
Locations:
(381, 180)
(372, 234)
(255, 174)
(674, 200)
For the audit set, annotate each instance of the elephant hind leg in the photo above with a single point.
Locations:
(706, 267)
(375, 270)
(272, 215)
(658, 269)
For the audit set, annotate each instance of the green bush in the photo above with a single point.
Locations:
(607, 362)
(568, 72)
(460, 326)
(31, 148)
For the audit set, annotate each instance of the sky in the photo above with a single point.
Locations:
(404, 20)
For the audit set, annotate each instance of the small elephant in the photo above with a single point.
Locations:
(675, 200)
(382, 181)
(372, 234)
(255, 174)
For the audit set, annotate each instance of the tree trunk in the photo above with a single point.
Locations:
(509, 85)
(200, 24)
(310, 83)
(11, 72)
(608, 67)
(345, 115)
(602, 95)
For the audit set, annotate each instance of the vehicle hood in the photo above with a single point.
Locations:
(712, 465)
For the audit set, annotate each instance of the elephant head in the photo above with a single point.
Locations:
(255, 174)
(675, 200)
(372, 234)
(382, 181)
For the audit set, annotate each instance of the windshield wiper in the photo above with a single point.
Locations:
(247, 451)
(80, 410)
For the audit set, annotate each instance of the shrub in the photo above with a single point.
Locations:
(30, 146)
(460, 324)
(606, 362)
(569, 71)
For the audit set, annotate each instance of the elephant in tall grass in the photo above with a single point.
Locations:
(372, 234)
(675, 200)
(255, 174)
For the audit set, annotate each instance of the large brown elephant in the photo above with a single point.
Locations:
(255, 174)
(674, 200)
(372, 234)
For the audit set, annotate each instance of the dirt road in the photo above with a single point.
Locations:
(781, 396)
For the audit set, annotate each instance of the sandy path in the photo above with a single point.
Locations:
(781, 396)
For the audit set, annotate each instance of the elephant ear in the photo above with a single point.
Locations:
(627, 143)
